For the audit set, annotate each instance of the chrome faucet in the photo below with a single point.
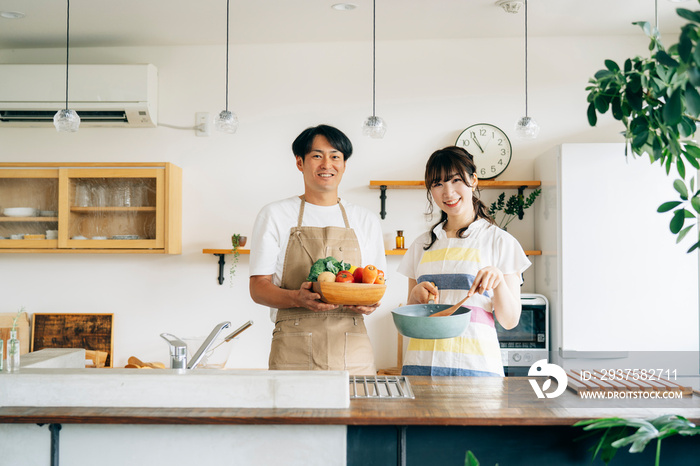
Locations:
(178, 348)
(178, 351)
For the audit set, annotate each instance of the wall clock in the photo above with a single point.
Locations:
(490, 147)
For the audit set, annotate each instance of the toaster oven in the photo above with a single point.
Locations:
(529, 340)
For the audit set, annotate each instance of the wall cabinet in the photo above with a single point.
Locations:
(90, 208)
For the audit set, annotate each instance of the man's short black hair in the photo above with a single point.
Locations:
(336, 138)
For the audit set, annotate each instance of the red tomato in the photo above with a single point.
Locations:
(344, 277)
(358, 275)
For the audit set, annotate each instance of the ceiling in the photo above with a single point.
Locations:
(107, 23)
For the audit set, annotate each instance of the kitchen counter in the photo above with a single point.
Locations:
(500, 420)
(438, 401)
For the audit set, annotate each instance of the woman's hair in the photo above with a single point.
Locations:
(336, 138)
(444, 164)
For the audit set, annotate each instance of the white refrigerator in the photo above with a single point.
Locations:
(621, 290)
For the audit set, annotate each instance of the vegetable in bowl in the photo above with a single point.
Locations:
(327, 264)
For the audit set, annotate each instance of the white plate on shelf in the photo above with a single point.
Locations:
(20, 212)
(126, 237)
(99, 237)
(79, 237)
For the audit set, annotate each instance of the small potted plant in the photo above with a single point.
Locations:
(237, 241)
(514, 206)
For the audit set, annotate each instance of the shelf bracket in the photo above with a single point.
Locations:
(222, 262)
(382, 198)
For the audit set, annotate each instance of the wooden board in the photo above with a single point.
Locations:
(94, 332)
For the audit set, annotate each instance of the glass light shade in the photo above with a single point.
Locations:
(66, 121)
(226, 122)
(374, 127)
(527, 128)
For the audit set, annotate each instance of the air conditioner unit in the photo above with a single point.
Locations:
(103, 95)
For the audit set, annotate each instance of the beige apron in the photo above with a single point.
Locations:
(331, 340)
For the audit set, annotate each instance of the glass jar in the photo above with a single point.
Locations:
(399, 239)
(13, 352)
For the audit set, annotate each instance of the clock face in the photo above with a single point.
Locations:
(490, 147)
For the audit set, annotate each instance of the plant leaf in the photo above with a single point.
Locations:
(592, 117)
(681, 167)
(470, 459)
(601, 104)
(694, 72)
(683, 232)
(612, 66)
(672, 109)
(679, 185)
(666, 60)
(666, 206)
(689, 15)
(692, 100)
(677, 221)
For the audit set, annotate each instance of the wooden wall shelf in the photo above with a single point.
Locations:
(484, 184)
(222, 259)
(383, 185)
(401, 252)
(222, 254)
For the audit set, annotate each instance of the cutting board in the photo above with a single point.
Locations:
(599, 382)
(93, 332)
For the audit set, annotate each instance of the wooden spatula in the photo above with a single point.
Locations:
(450, 310)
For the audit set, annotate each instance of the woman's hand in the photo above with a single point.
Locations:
(423, 292)
(486, 279)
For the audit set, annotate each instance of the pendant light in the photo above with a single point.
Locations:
(227, 121)
(374, 126)
(526, 127)
(65, 120)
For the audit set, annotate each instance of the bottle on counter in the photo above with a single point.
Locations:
(399, 239)
(13, 352)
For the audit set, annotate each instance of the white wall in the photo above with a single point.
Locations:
(427, 91)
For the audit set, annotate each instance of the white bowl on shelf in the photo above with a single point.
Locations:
(19, 212)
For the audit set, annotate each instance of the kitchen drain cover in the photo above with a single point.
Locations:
(380, 387)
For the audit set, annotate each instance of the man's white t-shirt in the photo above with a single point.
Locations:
(270, 236)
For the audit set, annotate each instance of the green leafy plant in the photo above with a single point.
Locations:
(237, 241)
(470, 459)
(657, 100)
(620, 432)
(504, 212)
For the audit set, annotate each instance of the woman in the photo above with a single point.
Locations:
(465, 253)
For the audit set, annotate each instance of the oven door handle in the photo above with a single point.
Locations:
(574, 354)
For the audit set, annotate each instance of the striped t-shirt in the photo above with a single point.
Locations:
(452, 264)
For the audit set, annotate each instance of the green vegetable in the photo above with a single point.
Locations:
(327, 264)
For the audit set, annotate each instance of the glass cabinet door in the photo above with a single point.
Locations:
(28, 208)
(111, 208)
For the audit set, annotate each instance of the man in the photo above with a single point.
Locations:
(289, 236)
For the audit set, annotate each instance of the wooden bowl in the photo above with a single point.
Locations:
(351, 294)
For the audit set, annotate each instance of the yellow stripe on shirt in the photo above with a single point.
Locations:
(451, 254)
(453, 345)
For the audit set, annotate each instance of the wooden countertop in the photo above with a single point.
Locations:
(457, 401)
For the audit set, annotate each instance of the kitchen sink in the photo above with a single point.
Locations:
(170, 388)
